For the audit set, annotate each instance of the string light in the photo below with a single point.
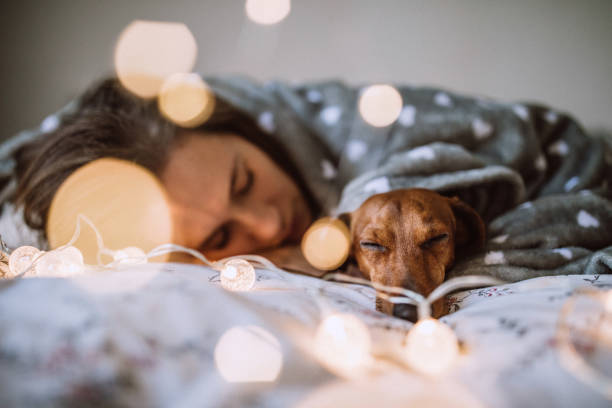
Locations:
(21, 259)
(431, 347)
(130, 255)
(380, 105)
(248, 354)
(147, 52)
(267, 12)
(186, 100)
(61, 262)
(326, 244)
(342, 342)
(237, 275)
(594, 328)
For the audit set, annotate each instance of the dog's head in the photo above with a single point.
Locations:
(410, 238)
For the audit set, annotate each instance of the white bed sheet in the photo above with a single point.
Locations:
(145, 336)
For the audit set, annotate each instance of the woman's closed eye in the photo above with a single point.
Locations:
(218, 240)
(242, 179)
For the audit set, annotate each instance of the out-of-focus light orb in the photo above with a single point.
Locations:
(21, 258)
(326, 243)
(380, 105)
(130, 255)
(248, 354)
(238, 275)
(186, 100)
(431, 347)
(125, 202)
(267, 11)
(147, 52)
(60, 263)
(342, 342)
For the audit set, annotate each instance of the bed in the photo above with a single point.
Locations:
(150, 335)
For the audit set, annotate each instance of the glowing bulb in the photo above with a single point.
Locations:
(125, 202)
(130, 255)
(248, 354)
(326, 244)
(380, 105)
(343, 342)
(186, 100)
(238, 275)
(267, 11)
(431, 347)
(21, 258)
(149, 51)
(60, 263)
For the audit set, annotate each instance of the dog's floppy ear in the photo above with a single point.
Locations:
(345, 218)
(470, 229)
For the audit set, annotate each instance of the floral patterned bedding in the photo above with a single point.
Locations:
(146, 335)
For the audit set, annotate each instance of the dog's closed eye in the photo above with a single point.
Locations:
(433, 241)
(372, 246)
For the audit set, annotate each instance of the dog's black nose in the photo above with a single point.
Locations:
(406, 312)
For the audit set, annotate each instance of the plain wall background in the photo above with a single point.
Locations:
(558, 52)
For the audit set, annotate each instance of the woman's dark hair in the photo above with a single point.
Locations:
(111, 122)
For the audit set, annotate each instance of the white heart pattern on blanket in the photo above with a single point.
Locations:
(423, 152)
(481, 128)
(328, 169)
(266, 122)
(355, 149)
(406, 117)
(377, 186)
(331, 115)
(442, 99)
(586, 220)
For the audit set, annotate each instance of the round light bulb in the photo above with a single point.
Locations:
(342, 342)
(186, 100)
(431, 347)
(326, 244)
(60, 263)
(149, 51)
(21, 258)
(267, 12)
(380, 105)
(238, 275)
(130, 255)
(248, 354)
(126, 203)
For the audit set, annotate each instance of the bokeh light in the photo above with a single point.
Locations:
(126, 203)
(431, 347)
(267, 11)
(380, 105)
(238, 275)
(186, 100)
(248, 354)
(342, 343)
(326, 243)
(147, 52)
(21, 259)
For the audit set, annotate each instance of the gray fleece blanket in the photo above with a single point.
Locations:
(538, 180)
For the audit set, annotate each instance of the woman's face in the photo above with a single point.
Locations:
(228, 197)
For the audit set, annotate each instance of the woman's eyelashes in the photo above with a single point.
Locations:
(243, 181)
(218, 240)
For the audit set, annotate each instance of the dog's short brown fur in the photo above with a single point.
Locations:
(411, 237)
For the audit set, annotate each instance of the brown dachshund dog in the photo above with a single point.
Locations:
(410, 238)
(407, 238)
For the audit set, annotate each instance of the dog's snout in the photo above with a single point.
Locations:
(406, 312)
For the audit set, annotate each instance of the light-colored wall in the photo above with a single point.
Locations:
(558, 52)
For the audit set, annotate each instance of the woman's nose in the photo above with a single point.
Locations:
(262, 221)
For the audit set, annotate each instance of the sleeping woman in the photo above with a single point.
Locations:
(271, 159)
